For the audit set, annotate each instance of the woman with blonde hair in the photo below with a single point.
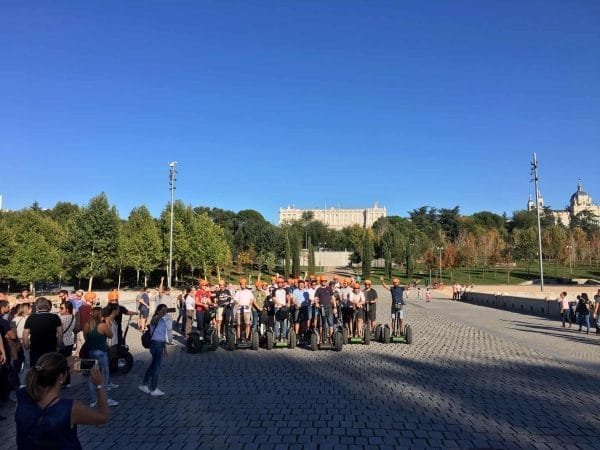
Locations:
(43, 419)
(96, 331)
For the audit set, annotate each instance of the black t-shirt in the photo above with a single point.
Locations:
(324, 295)
(397, 295)
(223, 297)
(118, 317)
(42, 328)
(370, 295)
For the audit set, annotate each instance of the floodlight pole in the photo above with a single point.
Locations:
(534, 173)
(172, 173)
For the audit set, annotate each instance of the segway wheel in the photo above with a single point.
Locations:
(124, 363)
(387, 336)
(408, 335)
(338, 341)
(314, 341)
(292, 339)
(230, 340)
(345, 333)
(367, 331)
(214, 341)
(192, 345)
(255, 340)
(270, 340)
(378, 333)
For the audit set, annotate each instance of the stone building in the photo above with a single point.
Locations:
(580, 201)
(336, 218)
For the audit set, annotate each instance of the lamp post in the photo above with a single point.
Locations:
(172, 173)
(439, 249)
(534, 173)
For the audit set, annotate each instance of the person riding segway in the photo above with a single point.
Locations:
(328, 333)
(399, 331)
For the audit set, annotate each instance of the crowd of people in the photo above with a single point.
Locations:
(582, 310)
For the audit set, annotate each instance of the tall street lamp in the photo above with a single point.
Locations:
(439, 249)
(172, 173)
(534, 173)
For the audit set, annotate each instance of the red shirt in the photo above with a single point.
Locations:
(202, 299)
(84, 314)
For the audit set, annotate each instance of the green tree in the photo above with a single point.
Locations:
(37, 243)
(141, 243)
(525, 245)
(93, 240)
(367, 253)
(311, 257)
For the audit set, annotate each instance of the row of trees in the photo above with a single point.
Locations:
(88, 242)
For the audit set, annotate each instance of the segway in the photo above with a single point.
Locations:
(196, 343)
(232, 342)
(366, 331)
(318, 338)
(393, 335)
(281, 341)
(120, 359)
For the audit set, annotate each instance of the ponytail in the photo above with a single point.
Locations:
(45, 374)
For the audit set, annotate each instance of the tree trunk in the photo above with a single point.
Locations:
(31, 287)
(137, 277)
(119, 280)
(91, 281)
(145, 279)
(219, 272)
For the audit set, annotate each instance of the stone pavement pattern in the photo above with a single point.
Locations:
(457, 386)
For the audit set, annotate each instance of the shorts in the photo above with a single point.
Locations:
(305, 313)
(144, 312)
(327, 316)
(359, 314)
(220, 310)
(347, 314)
(243, 318)
(399, 312)
(372, 314)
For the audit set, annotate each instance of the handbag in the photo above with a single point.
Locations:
(147, 337)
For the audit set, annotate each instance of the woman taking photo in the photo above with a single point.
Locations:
(158, 350)
(96, 331)
(43, 419)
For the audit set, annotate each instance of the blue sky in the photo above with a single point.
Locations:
(312, 103)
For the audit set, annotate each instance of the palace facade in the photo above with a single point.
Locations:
(336, 218)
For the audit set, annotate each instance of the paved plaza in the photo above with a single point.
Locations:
(474, 377)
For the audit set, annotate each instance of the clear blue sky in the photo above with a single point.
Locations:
(312, 103)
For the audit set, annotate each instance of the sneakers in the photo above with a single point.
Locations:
(144, 388)
(112, 386)
(110, 402)
(157, 393)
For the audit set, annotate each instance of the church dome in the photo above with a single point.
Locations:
(580, 197)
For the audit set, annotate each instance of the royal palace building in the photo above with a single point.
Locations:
(335, 218)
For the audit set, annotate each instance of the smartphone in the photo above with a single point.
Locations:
(85, 365)
(171, 310)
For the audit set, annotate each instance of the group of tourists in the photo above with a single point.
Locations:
(580, 311)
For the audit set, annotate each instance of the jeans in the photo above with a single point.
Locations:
(200, 316)
(157, 349)
(584, 319)
(283, 324)
(67, 351)
(102, 358)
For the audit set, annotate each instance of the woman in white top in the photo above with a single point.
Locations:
(18, 323)
(357, 300)
(68, 323)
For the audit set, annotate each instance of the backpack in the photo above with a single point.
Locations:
(147, 337)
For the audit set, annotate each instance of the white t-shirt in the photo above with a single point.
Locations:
(190, 303)
(19, 323)
(357, 300)
(244, 298)
(280, 297)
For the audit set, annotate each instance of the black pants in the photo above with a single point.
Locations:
(67, 351)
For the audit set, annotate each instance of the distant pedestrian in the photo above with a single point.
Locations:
(597, 311)
(427, 295)
(143, 301)
(565, 312)
(583, 312)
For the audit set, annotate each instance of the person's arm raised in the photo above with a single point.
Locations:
(82, 414)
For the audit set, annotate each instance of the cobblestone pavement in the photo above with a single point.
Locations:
(463, 383)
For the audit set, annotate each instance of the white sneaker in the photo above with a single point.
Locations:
(112, 402)
(157, 393)
(144, 388)
(93, 405)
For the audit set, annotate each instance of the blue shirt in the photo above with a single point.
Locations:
(44, 428)
(397, 295)
(301, 297)
(160, 332)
